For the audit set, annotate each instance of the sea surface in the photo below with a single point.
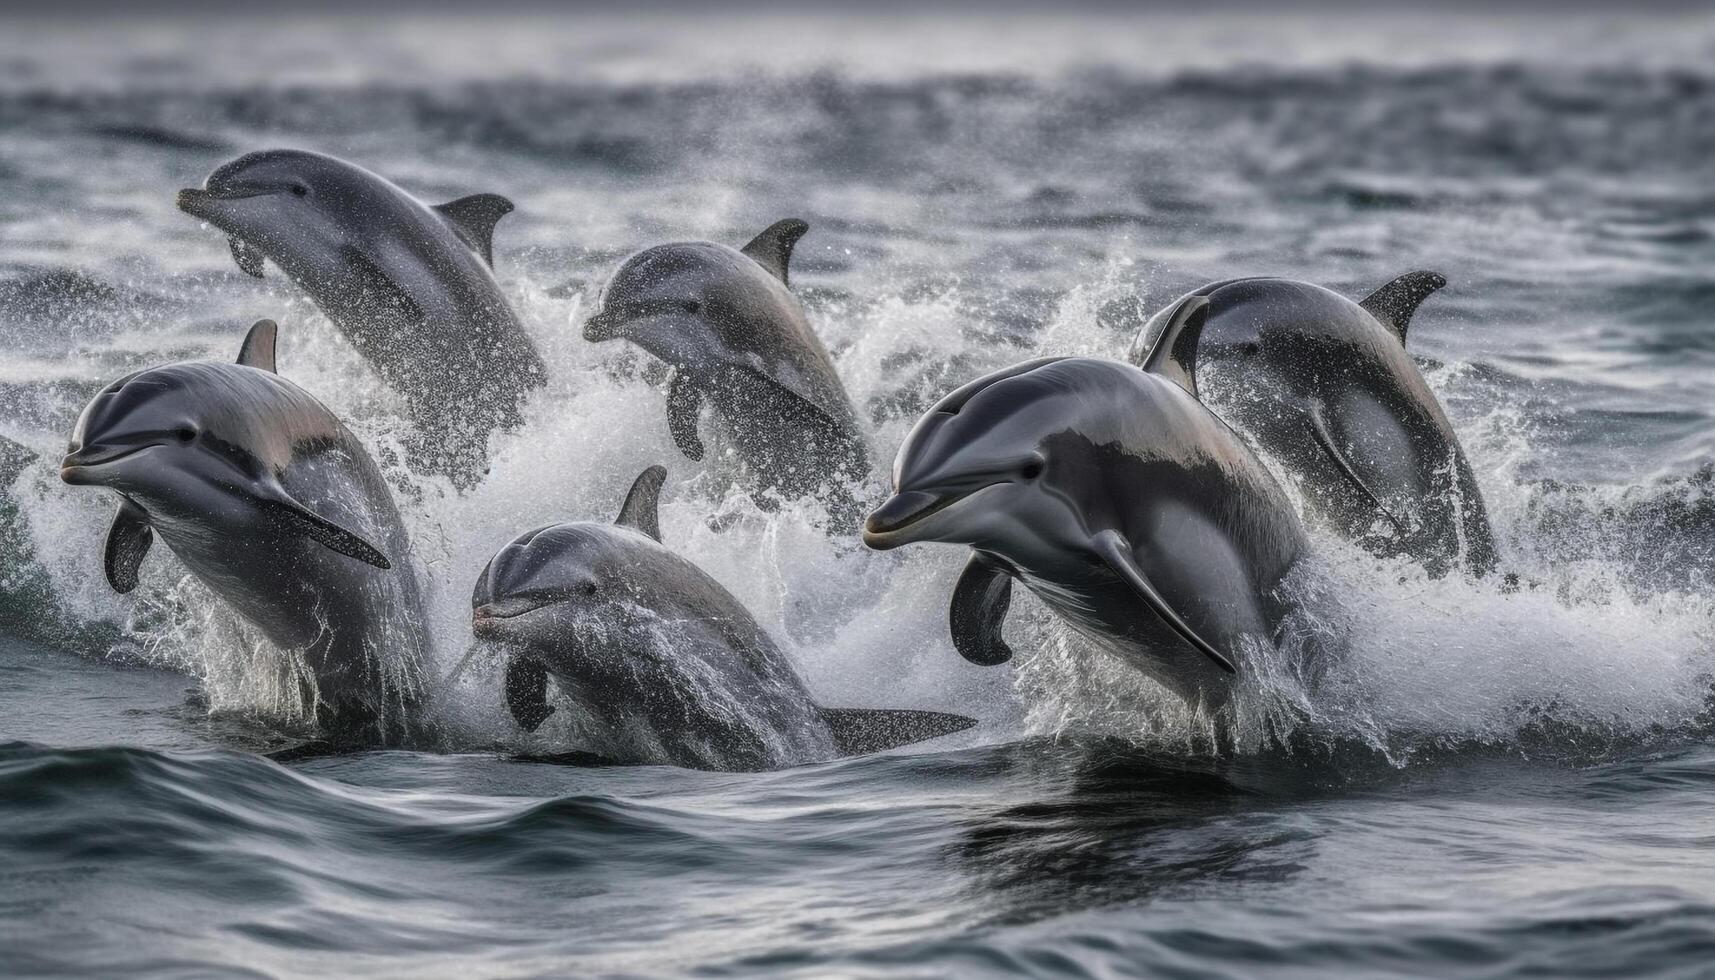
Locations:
(1507, 777)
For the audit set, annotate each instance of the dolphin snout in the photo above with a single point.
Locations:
(900, 511)
(490, 620)
(76, 466)
(603, 326)
(192, 199)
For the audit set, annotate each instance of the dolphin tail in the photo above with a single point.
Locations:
(860, 731)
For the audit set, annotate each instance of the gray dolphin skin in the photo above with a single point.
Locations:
(408, 284)
(1325, 387)
(1116, 498)
(270, 501)
(665, 665)
(737, 338)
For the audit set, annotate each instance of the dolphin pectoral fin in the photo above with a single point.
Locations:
(1116, 551)
(316, 748)
(641, 509)
(473, 219)
(257, 351)
(859, 731)
(1394, 303)
(527, 692)
(773, 248)
(297, 519)
(579, 760)
(128, 540)
(1325, 438)
(1174, 355)
(978, 611)
(248, 256)
(683, 404)
(380, 288)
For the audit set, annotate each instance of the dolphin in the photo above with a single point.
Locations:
(1324, 386)
(667, 666)
(274, 505)
(1117, 498)
(408, 284)
(736, 338)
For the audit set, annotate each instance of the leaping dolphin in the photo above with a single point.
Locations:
(737, 339)
(1325, 386)
(1114, 496)
(668, 665)
(408, 284)
(270, 501)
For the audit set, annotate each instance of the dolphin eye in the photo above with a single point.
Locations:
(691, 306)
(1032, 469)
(587, 588)
(300, 190)
(185, 433)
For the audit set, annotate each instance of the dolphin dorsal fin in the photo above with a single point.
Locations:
(1394, 303)
(1174, 355)
(474, 218)
(257, 351)
(773, 248)
(641, 507)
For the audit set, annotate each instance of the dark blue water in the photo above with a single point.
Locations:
(1499, 782)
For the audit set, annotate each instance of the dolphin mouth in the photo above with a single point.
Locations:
(890, 524)
(491, 620)
(194, 200)
(603, 326)
(75, 467)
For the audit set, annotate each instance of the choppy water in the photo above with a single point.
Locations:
(1498, 783)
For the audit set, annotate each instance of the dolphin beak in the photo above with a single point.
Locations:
(194, 201)
(76, 466)
(491, 620)
(889, 526)
(603, 326)
(205, 205)
(485, 624)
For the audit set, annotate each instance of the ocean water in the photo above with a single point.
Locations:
(1498, 781)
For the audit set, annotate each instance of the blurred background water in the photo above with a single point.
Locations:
(1500, 782)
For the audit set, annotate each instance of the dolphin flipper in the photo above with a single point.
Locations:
(316, 748)
(859, 731)
(683, 404)
(1174, 355)
(248, 256)
(1116, 551)
(473, 219)
(1394, 303)
(978, 611)
(527, 692)
(1325, 438)
(298, 519)
(773, 248)
(641, 509)
(128, 540)
(257, 351)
